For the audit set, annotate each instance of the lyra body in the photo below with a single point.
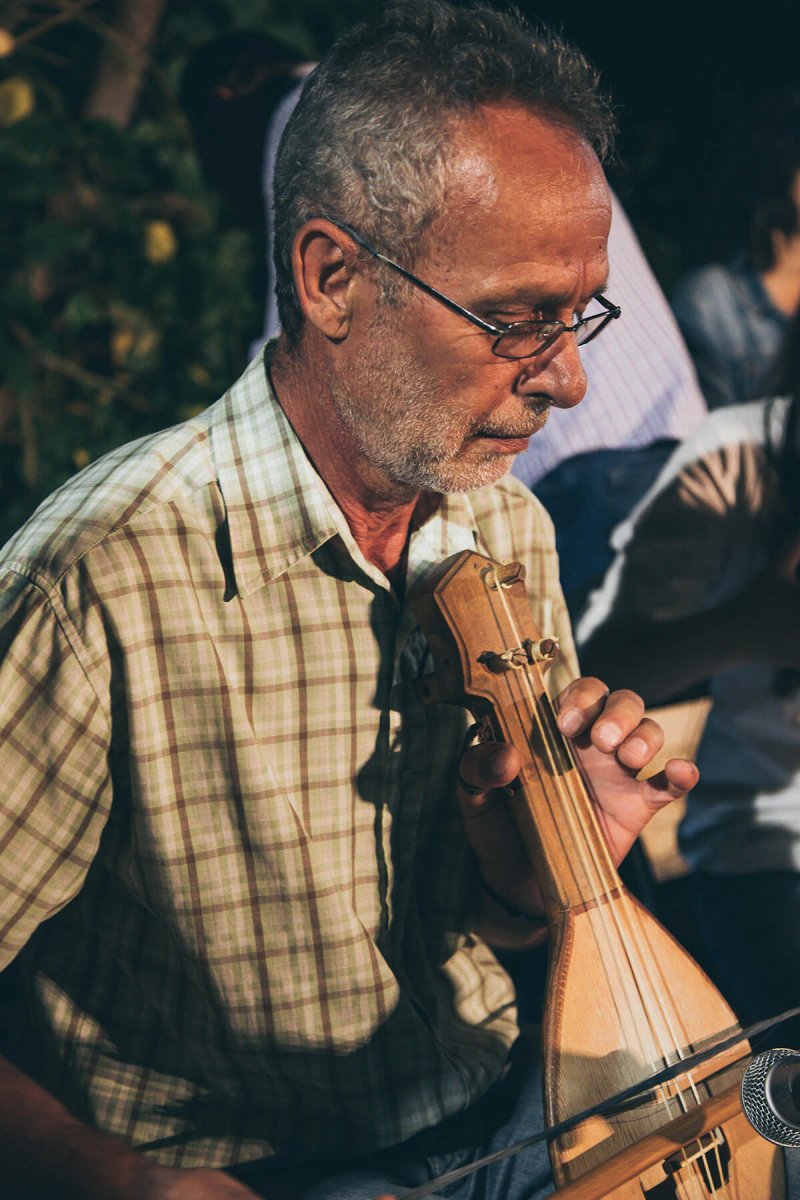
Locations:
(624, 999)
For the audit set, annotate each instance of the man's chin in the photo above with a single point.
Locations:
(481, 462)
(470, 477)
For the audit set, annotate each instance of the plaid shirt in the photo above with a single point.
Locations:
(231, 866)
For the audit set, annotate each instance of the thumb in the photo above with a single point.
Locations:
(481, 769)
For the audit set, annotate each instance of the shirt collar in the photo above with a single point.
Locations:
(280, 511)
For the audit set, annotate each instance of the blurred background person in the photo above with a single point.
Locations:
(238, 92)
(230, 87)
(704, 593)
(735, 315)
(591, 467)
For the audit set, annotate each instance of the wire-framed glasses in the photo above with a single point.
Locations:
(521, 339)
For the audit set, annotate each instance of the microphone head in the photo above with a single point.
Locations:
(771, 1096)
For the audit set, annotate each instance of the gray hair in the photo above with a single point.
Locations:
(369, 142)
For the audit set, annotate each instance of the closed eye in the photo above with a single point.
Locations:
(505, 319)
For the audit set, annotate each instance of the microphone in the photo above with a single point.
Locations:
(771, 1096)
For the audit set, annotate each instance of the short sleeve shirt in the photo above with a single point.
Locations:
(233, 878)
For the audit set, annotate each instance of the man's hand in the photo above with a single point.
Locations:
(613, 742)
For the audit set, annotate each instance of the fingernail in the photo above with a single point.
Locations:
(569, 722)
(607, 737)
(638, 747)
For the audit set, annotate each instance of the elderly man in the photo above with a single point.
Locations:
(250, 927)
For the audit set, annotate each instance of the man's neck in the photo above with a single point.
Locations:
(380, 514)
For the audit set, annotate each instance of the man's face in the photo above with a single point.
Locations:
(423, 400)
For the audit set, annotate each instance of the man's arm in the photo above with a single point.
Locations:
(53, 807)
(45, 1153)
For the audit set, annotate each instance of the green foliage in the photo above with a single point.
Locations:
(129, 298)
(130, 295)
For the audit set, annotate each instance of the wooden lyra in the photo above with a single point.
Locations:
(624, 999)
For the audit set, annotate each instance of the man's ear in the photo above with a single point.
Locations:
(323, 261)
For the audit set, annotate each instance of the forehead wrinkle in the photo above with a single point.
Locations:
(533, 153)
(483, 179)
(529, 293)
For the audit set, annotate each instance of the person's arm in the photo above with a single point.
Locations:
(660, 659)
(54, 748)
(45, 1153)
(668, 615)
(719, 380)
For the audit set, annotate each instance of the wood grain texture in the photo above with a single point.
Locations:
(624, 998)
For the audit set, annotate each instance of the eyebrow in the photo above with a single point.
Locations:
(527, 295)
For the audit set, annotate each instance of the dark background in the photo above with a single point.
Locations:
(686, 80)
(103, 339)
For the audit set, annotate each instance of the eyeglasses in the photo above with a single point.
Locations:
(522, 339)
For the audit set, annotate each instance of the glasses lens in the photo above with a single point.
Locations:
(591, 327)
(599, 313)
(527, 339)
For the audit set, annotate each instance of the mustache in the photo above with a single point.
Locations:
(538, 408)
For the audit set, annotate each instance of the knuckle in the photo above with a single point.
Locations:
(652, 730)
(591, 686)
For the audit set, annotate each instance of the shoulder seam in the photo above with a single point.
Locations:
(50, 597)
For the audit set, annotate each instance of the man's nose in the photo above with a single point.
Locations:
(558, 372)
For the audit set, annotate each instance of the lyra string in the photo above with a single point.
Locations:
(575, 850)
(615, 923)
(602, 877)
(617, 1102)
(606, 922)
(618, 924)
